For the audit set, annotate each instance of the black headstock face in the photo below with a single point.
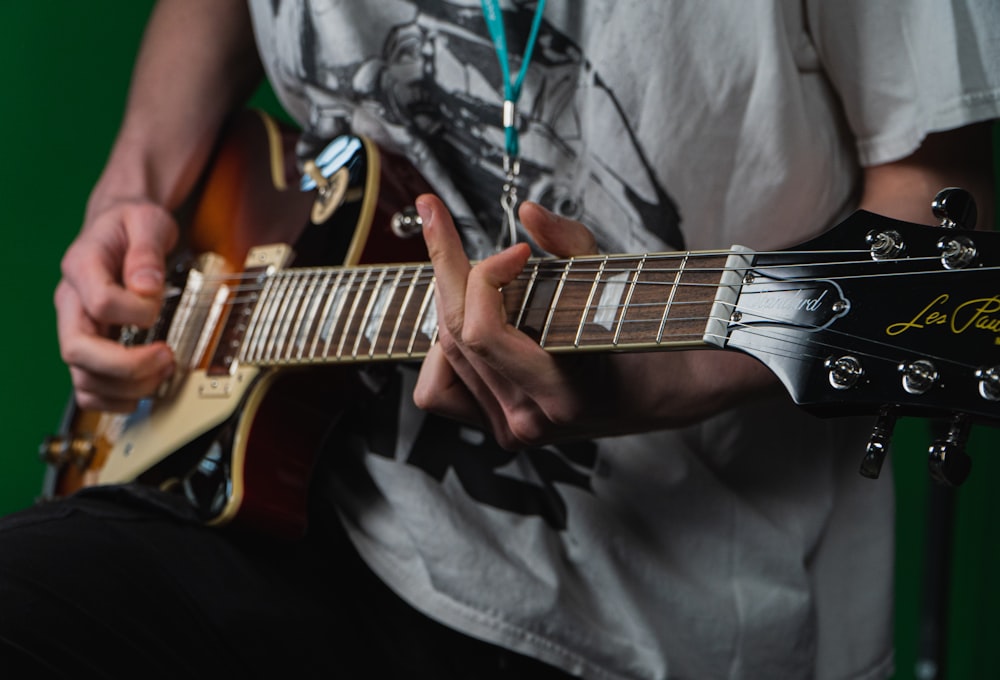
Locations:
(880, 314)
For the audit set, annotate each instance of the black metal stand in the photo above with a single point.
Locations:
(932, 647)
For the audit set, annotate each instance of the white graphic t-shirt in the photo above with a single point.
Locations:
(746, 546)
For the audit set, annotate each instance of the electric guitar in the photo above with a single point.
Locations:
(875, 316)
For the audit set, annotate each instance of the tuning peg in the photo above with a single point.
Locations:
(955, 208)
(59, 450)
(949, 463)
(878, 445)
(406, 223)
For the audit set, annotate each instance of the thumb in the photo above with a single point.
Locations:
(558, 235)
(151, 233)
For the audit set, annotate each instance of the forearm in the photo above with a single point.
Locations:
(961, 158)
(903, 190)
(197, 63)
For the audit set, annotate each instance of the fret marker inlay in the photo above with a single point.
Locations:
(607, 308)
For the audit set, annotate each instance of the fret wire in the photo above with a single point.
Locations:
(554, 303)
(323, 326)
(303, 307)
(628, 299)
(428, 300)
(261, 307)
(275, 296)
(275, 317)
(387, 305)
(590, 299)
(317, 283)
(307, 286)
(350, 315)
(373, 299)
(402, 310)
(289, 312)
(670, 301)
(340, 302)
(527, 295)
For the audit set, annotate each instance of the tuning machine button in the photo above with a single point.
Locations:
(844, 373)
(406, 223)
(886, 245)
(918, 376)
(878, 444)
(60, 450)
(948, 462)
(989, 383)
(955, 208)
(958, 252)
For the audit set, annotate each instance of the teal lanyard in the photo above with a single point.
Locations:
(511, 88)
(511, 95)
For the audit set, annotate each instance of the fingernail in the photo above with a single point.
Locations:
(425, 210)
(549, 215)
(147, 279)
(165, 359)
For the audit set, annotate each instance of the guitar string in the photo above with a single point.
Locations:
(554, 276)
(425, 277)
(786, 337)
(749, 288)
(754, 287)
(596, 259)
(558, 266)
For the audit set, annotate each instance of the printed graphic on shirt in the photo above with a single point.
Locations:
(525, 482)
(435, 88)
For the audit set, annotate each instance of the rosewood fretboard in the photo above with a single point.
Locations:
(360, 314)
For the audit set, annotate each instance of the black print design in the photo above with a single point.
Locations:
(435, 89)
(437, 85)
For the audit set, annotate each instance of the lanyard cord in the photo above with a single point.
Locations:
(511, 95)
(511, 89)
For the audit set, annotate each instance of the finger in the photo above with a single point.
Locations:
(106, 302)
(135, 236)
(487, 330)
(101, 359)
(109, 395)
(440, 390)
(451, 265)
(558, 235)
(151, 233)
(96, 402)
(449, 386)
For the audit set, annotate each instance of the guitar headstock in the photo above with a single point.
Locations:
(882, 316)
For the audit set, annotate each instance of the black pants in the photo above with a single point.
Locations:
(124, 583)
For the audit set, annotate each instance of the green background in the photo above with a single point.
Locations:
(65, 67)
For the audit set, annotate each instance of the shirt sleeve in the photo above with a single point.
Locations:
(906, 68)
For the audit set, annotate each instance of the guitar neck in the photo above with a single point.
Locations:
(600, 303)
